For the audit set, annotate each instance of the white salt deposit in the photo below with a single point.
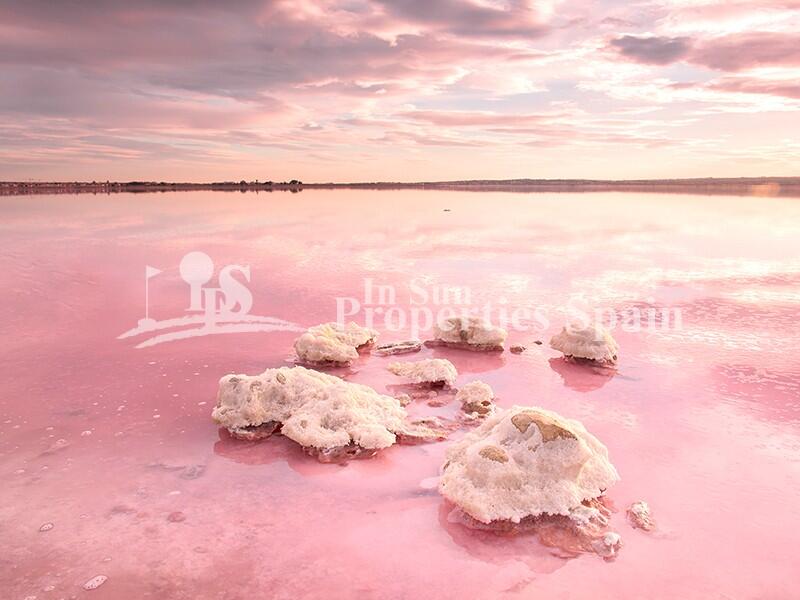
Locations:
(525, 462)
(472, 333)
(316, 410)
(608, 545)
(476, 399)
(591, 342)
(429, 371)
(95, 582)
(332, 343)
(640, 517)
(392, 348)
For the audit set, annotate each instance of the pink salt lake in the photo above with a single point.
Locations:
(113, 445)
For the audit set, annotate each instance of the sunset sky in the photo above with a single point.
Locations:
(407, 90)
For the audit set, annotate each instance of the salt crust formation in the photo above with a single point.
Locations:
(476, 399)
(525, 462)
(590, 342)
(331, 418)
(431, 371)
(333, 344)
(470, 333)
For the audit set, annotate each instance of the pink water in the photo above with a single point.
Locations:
(701, 422)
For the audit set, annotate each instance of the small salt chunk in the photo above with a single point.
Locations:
(469, 332)
(612, 538)
(429, 371)
(609, 545)
(333, 343)
(95, 582)
(639, 516)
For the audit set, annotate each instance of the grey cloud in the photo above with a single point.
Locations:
(652, 50)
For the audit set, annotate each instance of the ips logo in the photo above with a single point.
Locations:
(211, 309)
(197, 270)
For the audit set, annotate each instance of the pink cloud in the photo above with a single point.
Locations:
(748, 50)
(470, 118)
(517, 19)
(787, 89)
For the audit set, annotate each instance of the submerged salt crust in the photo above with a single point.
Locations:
(591, 342)
(469, 332)
(333, 343)
(314, 409)
(432, 370)
(525, 462)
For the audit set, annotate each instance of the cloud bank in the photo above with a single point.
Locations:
(342, 90)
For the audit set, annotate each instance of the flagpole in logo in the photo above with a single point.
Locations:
(148, 273)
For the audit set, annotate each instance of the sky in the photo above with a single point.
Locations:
(398, 90)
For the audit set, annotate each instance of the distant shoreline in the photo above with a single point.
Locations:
(749, 186)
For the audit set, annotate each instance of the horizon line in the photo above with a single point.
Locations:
(784, 179)
(718, 186)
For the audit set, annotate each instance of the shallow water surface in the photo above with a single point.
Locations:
(111, 465)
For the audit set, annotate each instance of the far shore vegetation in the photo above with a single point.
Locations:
(750, 186)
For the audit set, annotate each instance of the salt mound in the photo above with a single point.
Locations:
(333, 344)
(525, 462)
(328, 416)
(591, 342)
(476, 399)
(431, 371)
(470, 333)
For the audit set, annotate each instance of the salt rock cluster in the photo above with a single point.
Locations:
(470, 333)
(333, 344)
(477, 400)
(525, 468)
(329, 417)
(432, 371)
(526, 462)
(590, 342)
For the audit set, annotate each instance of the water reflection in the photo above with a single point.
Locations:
(582, 376)
(717, 398)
